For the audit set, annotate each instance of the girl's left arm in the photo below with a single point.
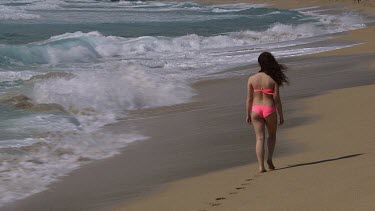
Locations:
(249, 101)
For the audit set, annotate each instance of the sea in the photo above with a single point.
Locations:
(68, 68)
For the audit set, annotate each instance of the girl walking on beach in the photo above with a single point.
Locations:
(263, 100)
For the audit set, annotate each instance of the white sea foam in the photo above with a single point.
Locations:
(96, 98)
(7, 75)
(29, 167)
(29, 5)
(14, 13)
(345, 22)
(307, 8)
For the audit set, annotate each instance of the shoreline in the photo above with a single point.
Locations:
(203, 86)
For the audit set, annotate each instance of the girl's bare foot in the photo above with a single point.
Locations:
(270, 165)
(262, 170)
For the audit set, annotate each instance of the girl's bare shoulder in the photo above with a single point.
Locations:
(254, 76)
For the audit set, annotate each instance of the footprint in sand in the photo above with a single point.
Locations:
(233, 193)
(248, 180)
(245, 183)
(214, 204)
(240, 188)
(220, 198)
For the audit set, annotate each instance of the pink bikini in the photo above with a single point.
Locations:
(262, 110)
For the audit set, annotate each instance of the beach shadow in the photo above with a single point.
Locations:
(321, 161)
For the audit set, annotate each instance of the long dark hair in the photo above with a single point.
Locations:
(271, 67)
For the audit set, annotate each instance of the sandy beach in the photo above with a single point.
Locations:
(331, 169)
(327, 175)
(200, 155)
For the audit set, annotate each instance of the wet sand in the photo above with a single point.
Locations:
(188, 142)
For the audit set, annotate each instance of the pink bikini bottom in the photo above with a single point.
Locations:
(263, 111)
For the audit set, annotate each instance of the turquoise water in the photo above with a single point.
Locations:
(68, 68)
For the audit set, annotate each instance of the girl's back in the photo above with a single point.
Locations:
(262, 81)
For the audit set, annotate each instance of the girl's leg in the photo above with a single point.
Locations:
(259, 129)
(271, 123)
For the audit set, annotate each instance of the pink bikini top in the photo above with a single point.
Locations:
(265, 91)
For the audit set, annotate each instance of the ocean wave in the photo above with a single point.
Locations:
(97, 98)
(339, 23)
(88, 47)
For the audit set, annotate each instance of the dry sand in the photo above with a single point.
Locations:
(334, 171)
